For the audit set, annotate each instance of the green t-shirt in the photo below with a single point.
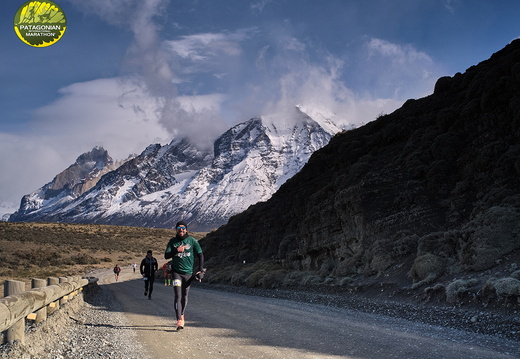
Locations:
(183, 262)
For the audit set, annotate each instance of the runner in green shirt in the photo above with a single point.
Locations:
(182, 249)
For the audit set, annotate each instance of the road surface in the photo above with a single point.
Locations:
(228, 325)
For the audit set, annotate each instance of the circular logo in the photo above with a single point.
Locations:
(40, 23)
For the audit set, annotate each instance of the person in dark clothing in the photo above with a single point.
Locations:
(117, 270)
(148, 267)
(182, 249)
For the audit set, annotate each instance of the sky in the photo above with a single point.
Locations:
(130, 73)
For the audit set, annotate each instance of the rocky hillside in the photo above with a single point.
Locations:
(423, 202)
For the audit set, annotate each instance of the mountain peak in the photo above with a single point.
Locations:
(77, 179)
(249, 163)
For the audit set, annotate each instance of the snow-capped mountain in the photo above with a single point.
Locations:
(69, 184)
(248, 164)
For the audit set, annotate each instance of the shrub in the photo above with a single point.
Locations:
(489, 236)
(254, 278)
(507, 287)
(427, 268)
(405, 245)
(516, 275)
(330, 280)
(327, 267)
(311, 279)
(293, 278)
(345, 281)
(456, 287)
(239, 277)
(273, 279)
(442, 244)
(82, 258)
(347, 266)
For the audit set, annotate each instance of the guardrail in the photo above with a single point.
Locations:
(34, 305)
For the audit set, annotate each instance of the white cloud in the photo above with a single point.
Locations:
(451, 5)
(27, 163)
(115, 113)
(397, 71)
(321, 87)
(118, 114)
(399, 54)
(259, 5)
(294, 44)
(260, 60)
(207, 51)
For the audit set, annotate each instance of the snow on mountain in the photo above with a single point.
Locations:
(249, 163)
(69, 184)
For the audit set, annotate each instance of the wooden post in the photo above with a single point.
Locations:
(17, 331)
(54, 306)
(64, 299)
(41, 314)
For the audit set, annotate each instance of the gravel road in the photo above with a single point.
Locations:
(120, 322)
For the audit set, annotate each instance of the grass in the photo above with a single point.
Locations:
(42, 250)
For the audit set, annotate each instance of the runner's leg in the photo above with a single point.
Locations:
(177, 290)
(150, 285)
(186, 283)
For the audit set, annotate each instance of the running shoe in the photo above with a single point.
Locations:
(182, 320)
(180, 325)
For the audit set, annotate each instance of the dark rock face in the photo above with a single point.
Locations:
(430, 192)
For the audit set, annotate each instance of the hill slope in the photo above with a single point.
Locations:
(423, 202)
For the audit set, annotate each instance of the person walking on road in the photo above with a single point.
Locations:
(181, 249)
(148, 267)
(134, 266)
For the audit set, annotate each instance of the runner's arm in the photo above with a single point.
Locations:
(201, 262)
(170, 251)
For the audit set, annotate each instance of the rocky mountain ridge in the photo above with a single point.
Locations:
(423, 202)
(248, 163)
(71, 183)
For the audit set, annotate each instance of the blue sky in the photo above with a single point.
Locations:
(129, 73)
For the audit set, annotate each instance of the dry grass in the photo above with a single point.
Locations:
(42, 250)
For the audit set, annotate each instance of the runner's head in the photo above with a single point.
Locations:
(181, 227)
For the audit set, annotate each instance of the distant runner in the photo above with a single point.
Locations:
(167, 273)
(148, 267)
(117, 270)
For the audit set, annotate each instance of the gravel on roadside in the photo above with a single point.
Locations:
(94, 328)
